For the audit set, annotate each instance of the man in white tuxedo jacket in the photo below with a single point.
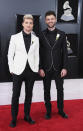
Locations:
(23, 61)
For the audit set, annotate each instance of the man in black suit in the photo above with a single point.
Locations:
(53, 62)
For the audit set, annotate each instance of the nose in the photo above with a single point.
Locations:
(28, 25)
(49, 20)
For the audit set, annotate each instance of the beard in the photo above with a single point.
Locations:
(51, 26)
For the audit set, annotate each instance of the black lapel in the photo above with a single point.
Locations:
(45, 37)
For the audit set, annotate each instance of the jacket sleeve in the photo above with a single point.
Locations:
(37, 54)
(40, 50)
(11, 53)
(64, 52)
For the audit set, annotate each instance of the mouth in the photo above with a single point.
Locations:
(51, 23)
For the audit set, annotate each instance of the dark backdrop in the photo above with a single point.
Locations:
(81, 47)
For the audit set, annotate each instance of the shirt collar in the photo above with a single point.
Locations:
(25, 34)
(52, 32)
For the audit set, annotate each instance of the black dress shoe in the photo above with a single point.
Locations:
(48, 116)
(29, 120)
(13, 124)
(63, 114)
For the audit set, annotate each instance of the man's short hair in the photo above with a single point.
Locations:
(27, 16)
(50, 13)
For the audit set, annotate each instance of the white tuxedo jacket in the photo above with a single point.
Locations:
(18, 56)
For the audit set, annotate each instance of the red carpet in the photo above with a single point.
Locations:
(74, 108)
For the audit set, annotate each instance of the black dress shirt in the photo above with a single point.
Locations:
(51, 36)
(27, 40)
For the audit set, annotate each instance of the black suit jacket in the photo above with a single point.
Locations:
(56, 55)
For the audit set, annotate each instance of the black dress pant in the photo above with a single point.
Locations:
(52, 74)
(29, 77)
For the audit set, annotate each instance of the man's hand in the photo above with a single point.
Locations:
(63, 72)
(42, 73)
(11, 73)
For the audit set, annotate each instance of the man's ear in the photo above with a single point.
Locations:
(56, 20)
(22, 23)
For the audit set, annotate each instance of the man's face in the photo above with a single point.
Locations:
(28, 25)
(50, 21)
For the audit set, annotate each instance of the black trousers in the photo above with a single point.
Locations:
(52, 74)
(29, 77)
